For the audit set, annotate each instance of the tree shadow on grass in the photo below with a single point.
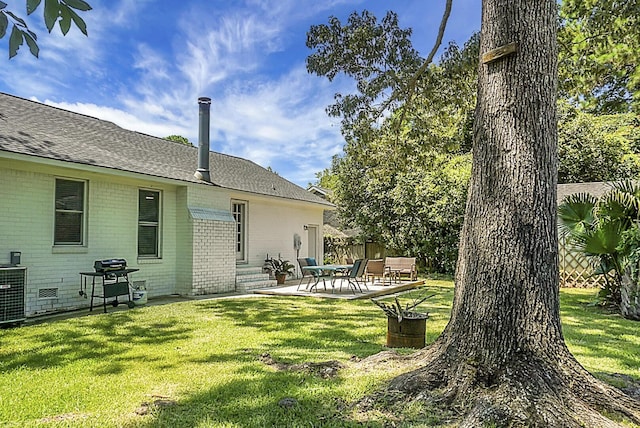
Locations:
(596, 333)
(306, 325)
(103, 337)
(256, 401)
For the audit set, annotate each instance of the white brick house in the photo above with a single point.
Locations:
(75, 189)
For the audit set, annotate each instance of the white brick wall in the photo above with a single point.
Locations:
(272, 224)
(27, 221)
(184, 257)
(214, 265)
(198, 256)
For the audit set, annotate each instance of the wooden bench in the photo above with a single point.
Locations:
(397, 267)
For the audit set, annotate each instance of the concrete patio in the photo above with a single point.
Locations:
(340, 289)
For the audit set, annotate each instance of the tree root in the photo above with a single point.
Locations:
(527, 392)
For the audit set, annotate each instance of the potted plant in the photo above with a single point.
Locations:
(280, 268)
(406, 327)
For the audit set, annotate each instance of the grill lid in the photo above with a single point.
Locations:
(109, 265)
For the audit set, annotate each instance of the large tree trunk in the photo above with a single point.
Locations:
(502, 356)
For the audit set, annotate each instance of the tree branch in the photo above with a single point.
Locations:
(436, 46)
(411, 88)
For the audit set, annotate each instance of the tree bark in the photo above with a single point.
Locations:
(506, 299)
(502, 357)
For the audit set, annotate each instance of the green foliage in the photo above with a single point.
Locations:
(378, 55)
(416, 209)
(630, 287)
(326, 178)
(597, 148)
(403, 180)
(442, 112)
(280, 266)
(391, 182)
(599, 57)
(179, 139)
(61, 11)
(577, 213)
(603, 230)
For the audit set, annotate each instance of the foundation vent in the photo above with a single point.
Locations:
(47, 293)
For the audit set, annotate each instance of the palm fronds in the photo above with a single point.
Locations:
(576, 213)
(596, 227)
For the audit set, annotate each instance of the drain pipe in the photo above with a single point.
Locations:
(202, 173)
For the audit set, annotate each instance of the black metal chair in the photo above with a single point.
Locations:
(357, 271)
(309, 261)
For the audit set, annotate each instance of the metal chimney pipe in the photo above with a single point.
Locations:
(202, 173)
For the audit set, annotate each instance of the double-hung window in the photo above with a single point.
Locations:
(148, 223)
(69, 212)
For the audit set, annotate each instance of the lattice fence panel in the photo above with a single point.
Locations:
(575, 269)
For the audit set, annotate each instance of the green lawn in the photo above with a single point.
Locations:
(96, 371)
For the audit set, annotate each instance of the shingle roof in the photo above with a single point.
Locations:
(35, 129)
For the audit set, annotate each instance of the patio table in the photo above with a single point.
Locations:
(318, 273)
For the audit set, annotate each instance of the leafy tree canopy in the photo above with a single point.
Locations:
(599, 61)
(403, 176)
(387, 136)
(179, 139)
(326, 178)
(597, 147)
(379, 56)
(64, 12)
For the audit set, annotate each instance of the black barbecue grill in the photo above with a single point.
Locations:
(110, 265)
(113, 275)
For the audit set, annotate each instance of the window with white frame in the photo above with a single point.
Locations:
(239, 210)
(69, 212)
(148, 223)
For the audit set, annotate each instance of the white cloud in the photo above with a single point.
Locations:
(125, 12)
(121, 118)
(282, 124)
(274, 121)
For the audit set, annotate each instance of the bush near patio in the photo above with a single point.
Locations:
(231, 362)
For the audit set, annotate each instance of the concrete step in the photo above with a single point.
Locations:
(249, 286)
(249, 277)
(248, 270)
(252, 278)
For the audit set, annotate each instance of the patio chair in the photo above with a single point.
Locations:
(302, 262)
(375, 269)
(357, 271)
(308, 261)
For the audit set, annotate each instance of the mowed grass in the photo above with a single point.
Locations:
(204, 358)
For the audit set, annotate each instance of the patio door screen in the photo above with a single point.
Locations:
(240, 216)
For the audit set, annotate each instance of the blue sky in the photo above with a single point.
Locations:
(146, 62)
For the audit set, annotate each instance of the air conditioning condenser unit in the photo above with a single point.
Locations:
(12, 300)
